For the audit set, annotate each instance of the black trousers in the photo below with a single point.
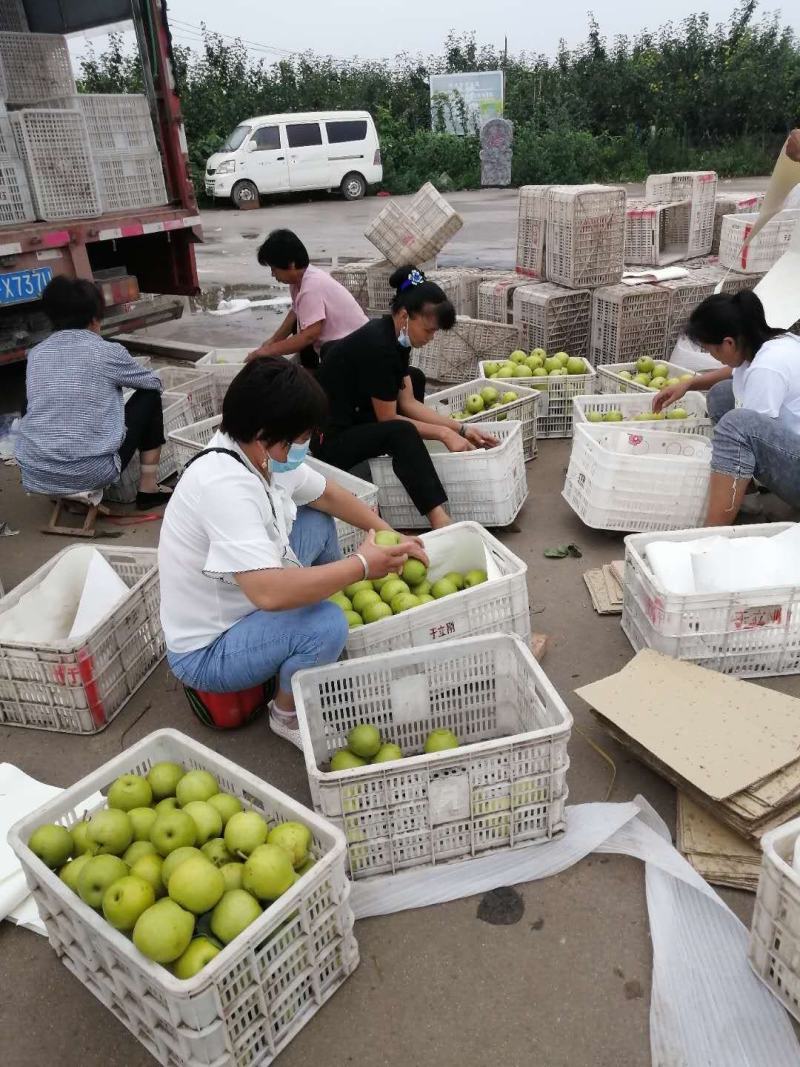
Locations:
(144, 425)
(411, 461)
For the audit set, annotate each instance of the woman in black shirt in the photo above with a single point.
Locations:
(376, 399)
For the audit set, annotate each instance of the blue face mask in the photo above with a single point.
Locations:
(403, 338)
(295, 456)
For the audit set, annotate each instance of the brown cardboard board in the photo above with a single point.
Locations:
(699, 831)
(716, 732)
(598, 590)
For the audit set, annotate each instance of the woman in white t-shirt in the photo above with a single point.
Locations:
(248, 552)
(753, 399)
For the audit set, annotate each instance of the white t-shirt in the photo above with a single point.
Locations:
(223, 519)
(770, 383)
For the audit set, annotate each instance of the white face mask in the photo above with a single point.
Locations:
(403, 338)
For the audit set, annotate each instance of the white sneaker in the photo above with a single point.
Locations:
(288, 733)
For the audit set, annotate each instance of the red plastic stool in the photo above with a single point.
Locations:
(226, 711)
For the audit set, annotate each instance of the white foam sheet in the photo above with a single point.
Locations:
(707, 1008)
(102, 591)
(779, 289)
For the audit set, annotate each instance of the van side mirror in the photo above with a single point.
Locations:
(250, 146)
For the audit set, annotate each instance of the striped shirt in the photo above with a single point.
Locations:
(75, 422)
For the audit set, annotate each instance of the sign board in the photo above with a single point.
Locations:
(481, 94)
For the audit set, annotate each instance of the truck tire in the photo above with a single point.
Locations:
(353, 186)
(245, 196)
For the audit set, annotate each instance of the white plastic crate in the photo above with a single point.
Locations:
(697, 186)
(417, 232)
(486, 485)
(196, 385)
(732, 204)
(177, 413)
(8, 144)
(684, 296)
(224, 364)
(353, 276)
(449, 401)
(657, 234)
(36, 67)
(504, 787)
(694, 403)
(13, 17)
(553, 318)
(495, 296)
(628, 322)
(621, 479)
(118, 123)
(127, 182)
(190, 440)
(532, 230)
(54, 146)
(471, 280)
(379, 293)
(453, 355)
(554, 410)
(609, 381)
(16, 204)
(585, 235)
(451, 280)
(78, 687)
(500, 604)
(774, 950)
(764, 250)
(252, 999)
(750, 634)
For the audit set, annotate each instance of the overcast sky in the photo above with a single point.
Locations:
(380, 30)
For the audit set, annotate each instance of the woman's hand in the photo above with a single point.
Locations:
(455, 442)
(389, 559)
(479, 438)
(670, 394)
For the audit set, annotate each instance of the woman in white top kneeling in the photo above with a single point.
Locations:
(753, 400)
(249, 553)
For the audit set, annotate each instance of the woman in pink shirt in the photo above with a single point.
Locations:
(322, 310)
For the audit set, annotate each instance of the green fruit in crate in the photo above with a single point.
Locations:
(559, 372)
(234, 913)
(294, 838)
(226, 804)
(196, 884)
(658, 415)
(245, 832)
(645, 365)
(351, 590)
(673, 381)
(165, 806)
(594, 416)
(686, 378)
(364, 597)
(310, 862)
(216, 852)
(421, 587)
(642, 379)
(379, 583)
(345, 760)
(142, 820)
(196, 785)
(207, 820)
(518, 356)
(387, 538)
(612, 416)
(200, 952)
(404, 602)
(425, 598)
(232, 873)
(440, 741)
(341, 601)
(125, 900)
(52, 844)
(641, 416)
(509, 397)
(562, 357)
(489, 394)
(164, 931)
(268, 873)
(456, 578)
(391, 589)
(138, 849)
(149, 868)
(110, 831)
(575, 365)
(364, 740)
(506, 370)
(473, 578)
(130, 791)
(657, 383)
(80, 838)
(174, 860)
(660, 370)
(163, 779)
(538, 353)
(174, 830)
(97, 875)
(353, 619)
(522, 370)
(534, 362)
(443, 588)
(491, 368)
(70, 872)
(376, 612)
(386, 753)
(677, 413)
(626, 374)
(474, 404)
(551, 364)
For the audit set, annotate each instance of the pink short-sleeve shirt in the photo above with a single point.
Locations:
(321, 298)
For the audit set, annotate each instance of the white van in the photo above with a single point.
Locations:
(285, 153)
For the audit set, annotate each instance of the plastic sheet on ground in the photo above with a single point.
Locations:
(242, 303)
(707, 1007)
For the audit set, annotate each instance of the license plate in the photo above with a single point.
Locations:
(23, 285)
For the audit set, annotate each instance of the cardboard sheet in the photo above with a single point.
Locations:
(699, 831)
(779, 289)
(716, 732)
(785, 177)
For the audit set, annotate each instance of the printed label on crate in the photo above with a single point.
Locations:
(448, 799)
(444, 629)
(655, 610)
(755, 618)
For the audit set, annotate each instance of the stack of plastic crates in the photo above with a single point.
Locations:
(628, 322)
(495, 296)
(764, 250)
(34, 68)
(417, 233)
(532, 229)
(16, 204)
(553, 318)
(453, 355)
(732, 204)
(353, 276)
(585, 235)
(657, 234)
(54, 146)
(13, 17)
(684, 296)
(698, 186)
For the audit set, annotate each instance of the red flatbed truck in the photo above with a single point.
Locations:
(148, 250)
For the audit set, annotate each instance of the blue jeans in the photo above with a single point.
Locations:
(749, 445)
(266, 643)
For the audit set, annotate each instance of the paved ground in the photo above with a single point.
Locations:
(567, 986)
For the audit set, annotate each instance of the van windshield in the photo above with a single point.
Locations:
(234, 140)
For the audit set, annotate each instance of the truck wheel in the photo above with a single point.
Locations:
(245, 195)
(353, 186)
